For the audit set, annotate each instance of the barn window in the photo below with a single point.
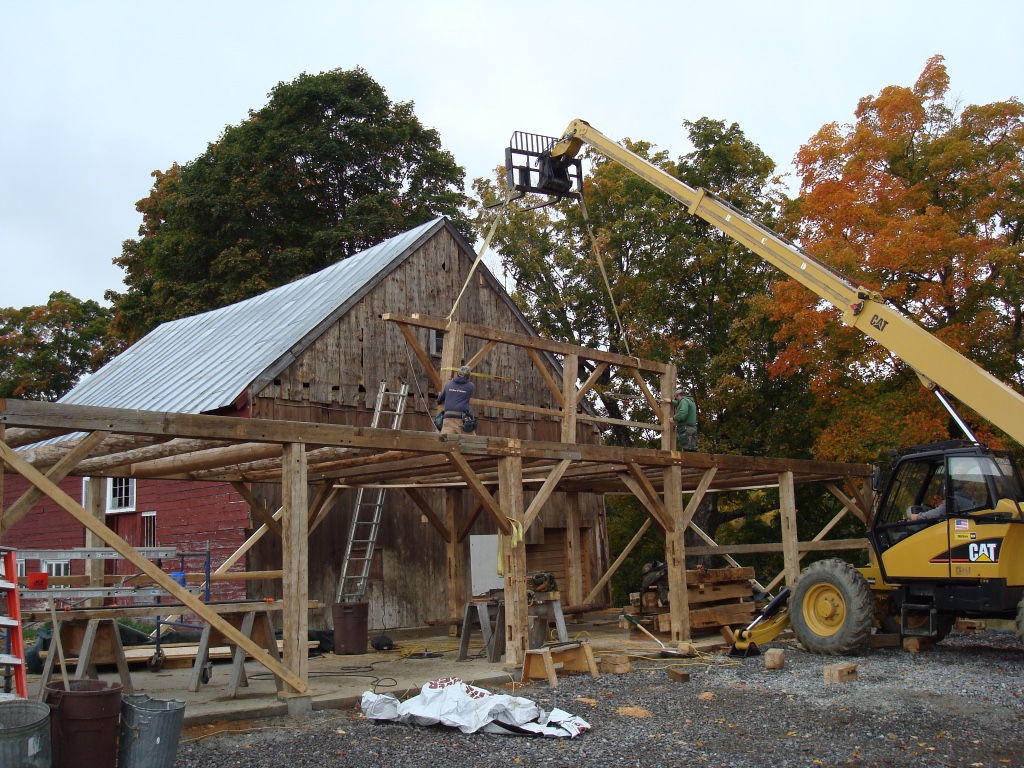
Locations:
(149, 529)
(121, 494)
(22, 571)
(58, 567)
(436, 342)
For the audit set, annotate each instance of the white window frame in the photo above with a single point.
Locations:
(57, 567)
(148, 516)
(22, 568)
(113, 507)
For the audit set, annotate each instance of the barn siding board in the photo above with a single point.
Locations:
(361, 349)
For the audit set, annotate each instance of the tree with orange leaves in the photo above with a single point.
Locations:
(923, 200)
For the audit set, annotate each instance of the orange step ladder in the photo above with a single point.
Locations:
(12, 645)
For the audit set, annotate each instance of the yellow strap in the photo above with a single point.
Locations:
(516, 536)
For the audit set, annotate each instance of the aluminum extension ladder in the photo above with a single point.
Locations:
(362, 531)
(12, 650)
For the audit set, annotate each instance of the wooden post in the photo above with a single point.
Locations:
(456, 559)
(668, 391)
(675, 554)
(295, 561)
(573, 552)
(790, 538)
(510, 489)
(570, 372)
(452, 350)
(96, 504)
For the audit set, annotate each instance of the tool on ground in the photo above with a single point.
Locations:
(766, 626)
(665, 652)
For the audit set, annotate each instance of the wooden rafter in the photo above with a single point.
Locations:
(538, 363)
(485, 350)
(421, 355)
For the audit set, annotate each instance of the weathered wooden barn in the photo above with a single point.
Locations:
(316, 350)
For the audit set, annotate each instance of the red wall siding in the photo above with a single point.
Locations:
(188, 515)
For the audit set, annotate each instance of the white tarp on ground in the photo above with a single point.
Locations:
(459, 705)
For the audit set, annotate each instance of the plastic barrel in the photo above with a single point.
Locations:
(84, 723)
(350, 627)
(149, 731)
(24, 734)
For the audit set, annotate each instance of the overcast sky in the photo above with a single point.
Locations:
(95, 96)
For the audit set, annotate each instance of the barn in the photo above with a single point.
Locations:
(320, 350)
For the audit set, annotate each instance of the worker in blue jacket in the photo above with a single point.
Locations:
(454, 399)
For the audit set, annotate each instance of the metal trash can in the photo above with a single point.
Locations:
(150, 729)
(24, 734)
(350, 627)
(84, 723)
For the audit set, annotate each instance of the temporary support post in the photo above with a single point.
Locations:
(573, 551)
(790, 539)
(96, 504)
(510, 489)
(295, 561)
(456, 558)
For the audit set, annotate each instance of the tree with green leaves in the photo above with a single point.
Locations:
(45, 350)
(922, 199)
(330, 166)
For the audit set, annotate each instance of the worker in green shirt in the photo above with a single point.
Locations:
(686, 421)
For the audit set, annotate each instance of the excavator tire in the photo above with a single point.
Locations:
(1020, 621)
(832, 609)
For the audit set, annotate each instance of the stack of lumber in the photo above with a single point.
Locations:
(717, 598)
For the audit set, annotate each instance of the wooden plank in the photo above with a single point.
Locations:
(257, 508)
(144, 611)
(790, 537)
(546, 375)
(163, 580)
(55, 474)
(429, 513)
(830, 545)
(246, 545)
(590, 382)
(467, 473)
(544, 493)
(709, 593)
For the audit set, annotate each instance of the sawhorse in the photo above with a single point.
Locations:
(574, 657)
(95, 641)
(253, 624)
(483, 612)
(546, 607)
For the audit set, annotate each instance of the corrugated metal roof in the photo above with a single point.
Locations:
(205, 362)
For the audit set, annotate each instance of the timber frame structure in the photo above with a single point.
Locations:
(305, 456)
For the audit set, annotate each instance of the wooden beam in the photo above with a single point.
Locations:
(516, 407)
(853, 504)
(478, 358)
(667, 411)
(698, 496)
(55, 474)
(825, 545)
(655, 406)
(618, 561)
(675, 553)
(295, 564)
(467, 473)
(17, 438)
(539, 364)
(590, 382)
(573, 549)
(637, 473)
(258, 509)
(528, 342)
(102, 464)
(544, 493)
(570, 372)
(111, 539)
(248, 544)
(209, 459)
(790, 536)
(510, 489)
(715, 549)
(324, 510)
(323, 493)
(421, 355)
(429, 513)
(619, 422)
(455, 557)
(820, 535)
(96, 504)
(655, 512)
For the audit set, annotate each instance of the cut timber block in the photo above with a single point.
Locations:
(649, 601)
(686, 649)
(970, 625)
(840, 673)
(574, 657)
(616, 663)
(727, 635)
(678, 676)
(885, 641)
(775, 658)
(916, 644)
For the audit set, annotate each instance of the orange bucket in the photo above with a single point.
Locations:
(38, 580)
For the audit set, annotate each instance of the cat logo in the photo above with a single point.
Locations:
(982, 552)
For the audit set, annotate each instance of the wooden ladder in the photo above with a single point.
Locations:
(12, 657)
(369, 506)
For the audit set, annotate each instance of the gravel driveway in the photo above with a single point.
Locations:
(959, 704)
